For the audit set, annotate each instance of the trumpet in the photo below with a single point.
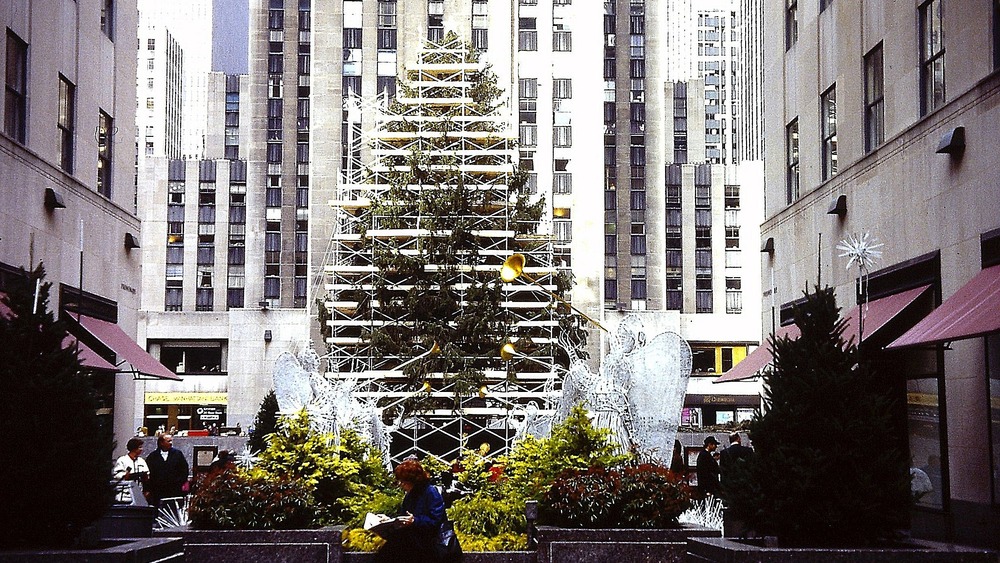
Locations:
(513, 268)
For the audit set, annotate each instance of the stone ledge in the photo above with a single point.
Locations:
(725, 550)
(144, 550)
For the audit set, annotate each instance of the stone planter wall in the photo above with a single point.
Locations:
(144, 550)
(575, 545)
(468, 557)
(263, 546)
(724, 550)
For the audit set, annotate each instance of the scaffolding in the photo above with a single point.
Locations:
(422, 231)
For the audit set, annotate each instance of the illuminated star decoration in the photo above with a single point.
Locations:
(861, 250)
(247, 458)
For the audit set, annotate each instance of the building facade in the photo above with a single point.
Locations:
(882, 132)
(66, 173)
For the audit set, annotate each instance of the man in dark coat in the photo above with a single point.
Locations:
(708, 469)
(734, 454)
(168, 471)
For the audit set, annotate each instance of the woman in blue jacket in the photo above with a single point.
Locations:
(422, 512)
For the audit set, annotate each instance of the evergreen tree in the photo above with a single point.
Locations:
(827, 469)
(56, 476)
(265, 423)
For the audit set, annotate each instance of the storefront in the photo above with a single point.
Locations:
(709, 410)
(185, 411)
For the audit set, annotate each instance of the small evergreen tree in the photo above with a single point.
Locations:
(265, 423)
(827, 469)
(56, 477)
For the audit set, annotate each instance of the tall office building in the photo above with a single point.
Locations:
(159, 89)
(66, 177)
(883, 130)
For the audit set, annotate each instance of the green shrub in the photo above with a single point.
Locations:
(237, 500)
(829, 468)
(58, 451)
(646, 496)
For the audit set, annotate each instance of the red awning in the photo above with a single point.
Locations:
(877, 314)
(88, 358)
(5, 311)
(974, 310)
(758, 359)
(112, 336)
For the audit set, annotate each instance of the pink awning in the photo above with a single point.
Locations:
(758, 359)
(974, 310)
(88, 358)
(877, 313)
(112, 336)
(5, 311)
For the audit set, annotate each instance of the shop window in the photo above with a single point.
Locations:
(193, 357)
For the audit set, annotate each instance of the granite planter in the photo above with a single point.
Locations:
(265, 546)
(725, 550)
(467, 557)
(578, 545)
(142, 550)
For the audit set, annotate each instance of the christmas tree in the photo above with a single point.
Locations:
(56, 478)
(829, 470)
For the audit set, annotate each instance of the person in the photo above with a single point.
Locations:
(168, 471)
(708, 468)
(735, 453)
(129, 467)
(677, 459)
(422, 514)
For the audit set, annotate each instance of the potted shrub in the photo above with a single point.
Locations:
(830, 474)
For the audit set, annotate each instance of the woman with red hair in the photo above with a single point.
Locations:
(422, 512)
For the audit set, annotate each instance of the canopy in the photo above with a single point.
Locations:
(974, 310)
(112, 336)
(873, 316)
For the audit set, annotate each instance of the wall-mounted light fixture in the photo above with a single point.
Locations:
(263, 305)
(53, 200)
(838, 207)
(768, 246)
(952, 142)
(268, 336)
(130, 241)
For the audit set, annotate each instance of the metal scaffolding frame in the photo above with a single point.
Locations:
(439, 128)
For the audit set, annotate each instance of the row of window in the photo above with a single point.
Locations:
(15, 114)
(932, 93)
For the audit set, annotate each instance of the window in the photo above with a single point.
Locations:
(105, 139)
(828, 131)
(932, 92)
(387, 13)
(791, 23)
(528, 134)
(562, 41)
(527, 35)
(151, 44)
(703, 293)
(874, 99)
(108, 18)
(792, 161)
(562, 88)
(66, 119)
(562, 136)
(480, 39)
(993, 373)
(15, 105)
(734, 296)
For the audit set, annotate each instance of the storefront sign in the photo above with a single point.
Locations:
(187, 398)
(722, 400)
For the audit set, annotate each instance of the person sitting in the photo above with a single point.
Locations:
(422, 514)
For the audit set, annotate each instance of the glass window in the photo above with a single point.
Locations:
(66, 119)
(828, 130)
(562, 41)
(932, 87)
(874, 99)
(791, 23)
(792, 161)
(15, 114)
(108, 18)
(105, 141)
(993, 376)
(923, 401)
